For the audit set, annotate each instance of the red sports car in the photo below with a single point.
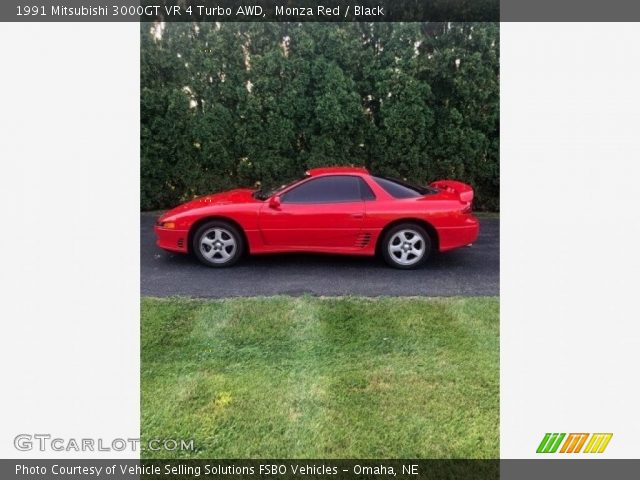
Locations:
(340, 210)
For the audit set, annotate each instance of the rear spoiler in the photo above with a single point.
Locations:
(464, 191)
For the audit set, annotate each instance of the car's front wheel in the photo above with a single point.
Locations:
(406, 246)
(218, 244)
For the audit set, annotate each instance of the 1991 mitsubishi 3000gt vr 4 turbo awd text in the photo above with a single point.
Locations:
(340, 210)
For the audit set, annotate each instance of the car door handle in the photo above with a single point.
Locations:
(357, 215)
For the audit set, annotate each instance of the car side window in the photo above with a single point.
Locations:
(365, 191)
(330, 189)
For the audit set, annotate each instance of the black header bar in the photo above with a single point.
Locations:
(249, 10)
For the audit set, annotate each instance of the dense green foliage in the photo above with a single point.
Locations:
(229, 104)
(306, 377)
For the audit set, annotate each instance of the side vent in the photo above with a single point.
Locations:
(363, 240)
(180, 242)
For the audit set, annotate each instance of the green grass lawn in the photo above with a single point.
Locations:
(309, 377)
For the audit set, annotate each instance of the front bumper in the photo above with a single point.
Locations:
(171, 239)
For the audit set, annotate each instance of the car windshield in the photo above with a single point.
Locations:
(401, 189)
(266, 192)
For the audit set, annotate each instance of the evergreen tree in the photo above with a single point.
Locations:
(230, 104)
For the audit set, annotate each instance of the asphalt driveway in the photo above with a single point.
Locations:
(472, 271)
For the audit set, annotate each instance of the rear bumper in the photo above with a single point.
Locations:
(172, 240)
(460, 235)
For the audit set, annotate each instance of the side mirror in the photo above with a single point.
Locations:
(274, 202)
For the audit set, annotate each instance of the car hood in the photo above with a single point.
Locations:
(239, 195)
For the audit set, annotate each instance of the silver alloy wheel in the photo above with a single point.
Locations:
(406, 247)
(218, 245)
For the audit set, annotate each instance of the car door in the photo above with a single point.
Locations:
(322, 212)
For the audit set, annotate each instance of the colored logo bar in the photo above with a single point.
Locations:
(597, 442)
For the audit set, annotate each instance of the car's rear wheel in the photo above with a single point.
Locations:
(218, 244)
(406, 246)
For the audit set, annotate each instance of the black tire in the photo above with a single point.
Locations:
(224, 247)
(412, 246)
